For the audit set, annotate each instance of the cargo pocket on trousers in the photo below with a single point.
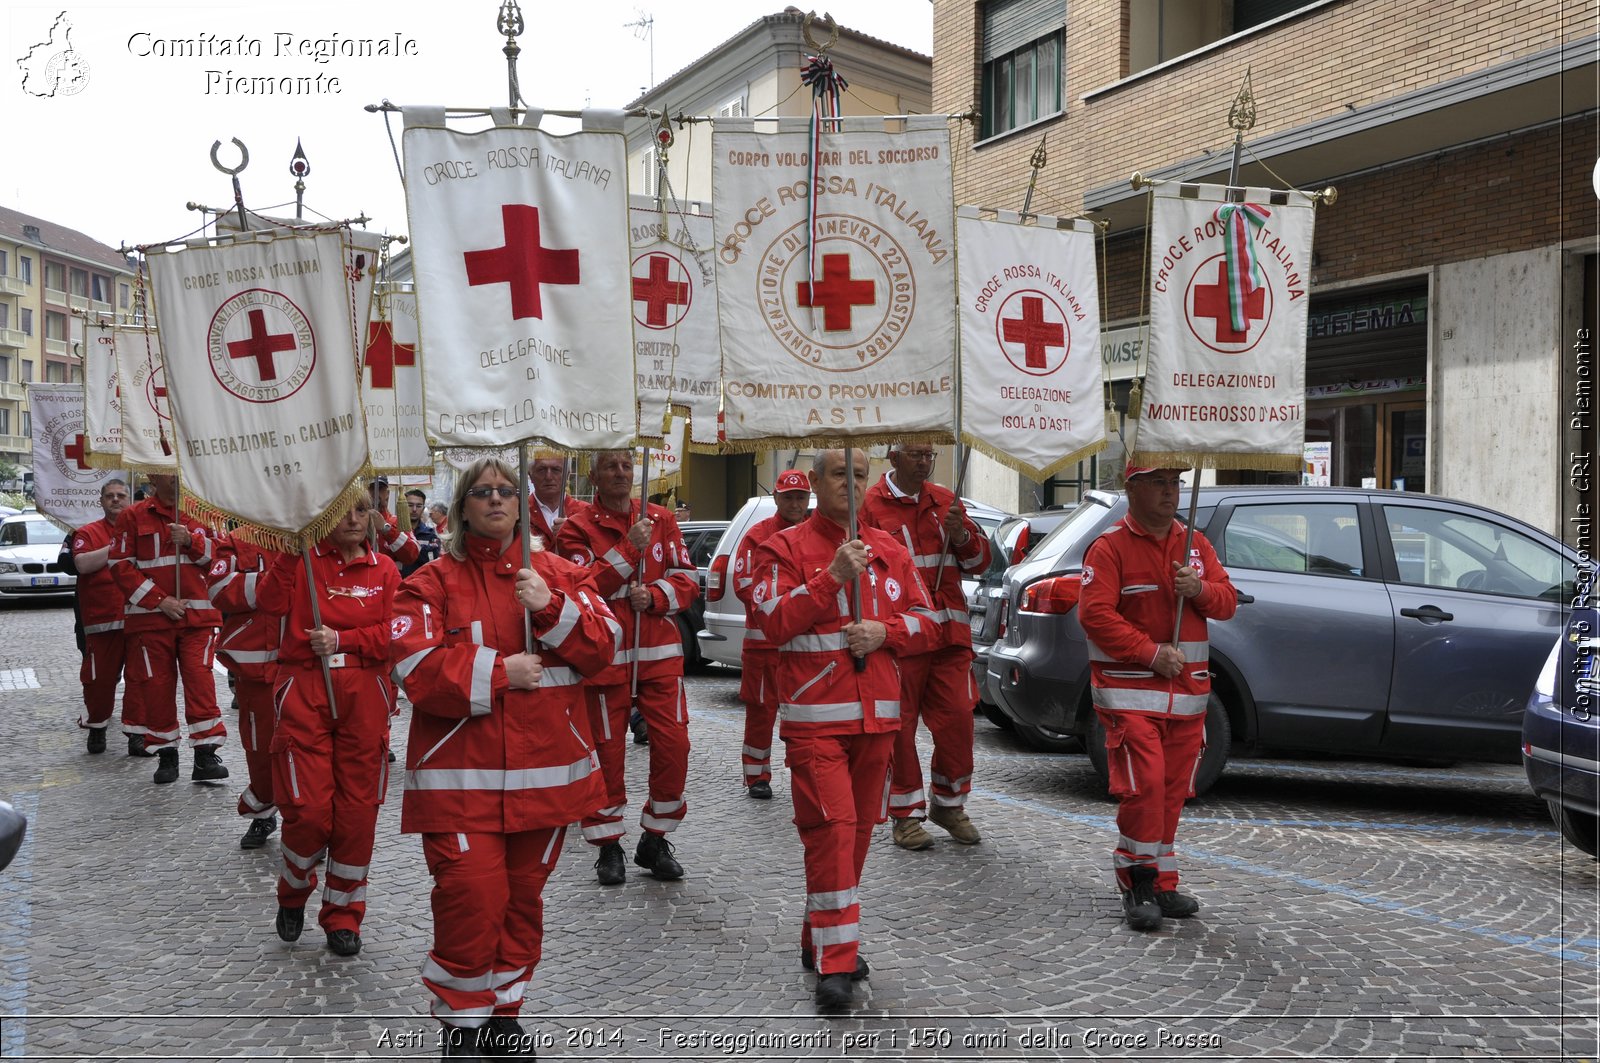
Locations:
(1119, 764)
(288, 782)
(809, 808)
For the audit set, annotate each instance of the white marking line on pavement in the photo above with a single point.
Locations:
(18, 679)
(16, 934)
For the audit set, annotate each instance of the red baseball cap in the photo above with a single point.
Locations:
(792, 480)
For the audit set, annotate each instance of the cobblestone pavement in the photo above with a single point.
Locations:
(1352, 911)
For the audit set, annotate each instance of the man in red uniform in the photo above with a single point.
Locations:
(928, 521)
(642, 566)
(758, 656)
(1149, 693)
(159, 562)
(248, 649)
(838, 717)
(401, 547)
(550, 505)
(100, 606)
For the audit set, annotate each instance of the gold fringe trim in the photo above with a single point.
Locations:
(703, 448)
(109, 460)
(824, 441)
(1031, 472)
(267, 536)
(1206, 459)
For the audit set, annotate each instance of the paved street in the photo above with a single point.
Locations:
(1352, 911)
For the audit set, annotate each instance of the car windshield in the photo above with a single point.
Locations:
(1085, 520)
(20, 532)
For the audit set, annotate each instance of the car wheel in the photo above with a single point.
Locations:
(994, 715)
(1579, 828)
(1219, 736)
(1045, 741)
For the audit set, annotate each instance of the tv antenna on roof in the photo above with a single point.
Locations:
(644, 29)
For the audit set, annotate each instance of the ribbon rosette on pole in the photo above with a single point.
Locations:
(674, 290)
(65, 486)
(261, 344)
(1229, 286)
(863, 350)
(1031, 391)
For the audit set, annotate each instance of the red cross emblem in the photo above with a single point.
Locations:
(1211, 300)
(1036, 334)
(522, 262)
(75, 451)
(383, 353)
(262, 345)
(657, 291)
(836, 293)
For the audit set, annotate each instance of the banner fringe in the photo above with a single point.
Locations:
(1206, 459)
(821, 441)
(111, 461)
(1035, 474)
(272, 538)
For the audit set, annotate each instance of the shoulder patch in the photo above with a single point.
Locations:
(1088, 575)
(219, 568)
(398, 628)
(891, 587)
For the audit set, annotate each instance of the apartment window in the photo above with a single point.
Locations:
(5, 315)
(55, 277)
(1022, 62)
(5, 422)
(102, 288)
(5, 368)
(4, 260)
(25, 269)
(122, 296)
(1159, 30)
(55, 325)
(80, 282)
(27, 423)
(27, 370)
(75, 375)
(734, 108)
(55, 373)
(27, 322)
(647, 172)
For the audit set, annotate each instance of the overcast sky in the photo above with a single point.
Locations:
(119, 158)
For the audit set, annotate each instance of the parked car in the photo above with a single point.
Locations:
(29, 547)
(701, 537)
(1375, 623)
(1561, 731)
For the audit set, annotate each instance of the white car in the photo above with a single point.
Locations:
(29, 547)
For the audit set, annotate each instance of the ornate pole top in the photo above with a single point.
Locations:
(1242, 114)
(509, 23)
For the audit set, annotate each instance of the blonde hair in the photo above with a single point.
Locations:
(456, 542)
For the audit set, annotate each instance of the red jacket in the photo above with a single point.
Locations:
(401, 546)
(356, 599)
(917, 523)
(100, 601)
(145, 566)
(569, 506)
(745, 578)
(597, 539)
(1126, 609)
(248, 645)
(805, 610)
(481, 756)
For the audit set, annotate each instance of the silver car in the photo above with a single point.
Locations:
(29, 547)
(1375, 623)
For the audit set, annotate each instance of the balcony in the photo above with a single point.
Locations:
(11, 392)
(56, 347)
(16, 444)
(10, 337)
(100, 306)
(55, 296)
(12, 286)
(79, 302)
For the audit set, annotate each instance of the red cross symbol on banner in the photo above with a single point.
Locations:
(522, 262)
(1211, 300)
(1035, 334)
(658, 293)
(383, 353)
(836, 293)
(262, 346)
(75, 449)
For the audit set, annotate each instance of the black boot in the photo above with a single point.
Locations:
(258, 833)
(208, 767)
(834, 991)
(640, 729)
(611, 868)
(655, 853)
(1175, 905)
(809, 962)
(290, 922)
(506, 1038)
(136, 747)
(97, 739)
(463, 1042)
(344, 942)
(167, 769)
(1139, 903)
(761, 790)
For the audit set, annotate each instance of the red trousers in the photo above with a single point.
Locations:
(666, 712)
(841, 783)
(1152, 761)
(102, 669)
(257, 723)
(329, 775)
(156, 658)
(937, 687)
(488, 920)
(758, 689)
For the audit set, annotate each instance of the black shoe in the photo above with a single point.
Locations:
(611, 868)
(344, 942)
(761, 790)
(460, 1042)
(1175, 905)
(97, 739)
(391, 756)
(809, 962)
(505, 1038)
(167, 769)
(640, 729)
(290, 922)
(835, 991)
(258, 833)
(655, 853)
(208, 767)
(1139, 903)
(136, 747)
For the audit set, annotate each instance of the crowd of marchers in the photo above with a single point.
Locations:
(522, 657)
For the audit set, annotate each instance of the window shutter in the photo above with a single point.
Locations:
(1009, 24)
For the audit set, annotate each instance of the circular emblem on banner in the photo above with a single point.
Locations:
(891, 587)
(662, 290)
(64, 441)
(261, 345)
(1206, 311)
(1032, 331)
(858, 306)
(398, 628)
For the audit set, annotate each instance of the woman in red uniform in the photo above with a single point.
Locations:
(330, 763)
(499, 759)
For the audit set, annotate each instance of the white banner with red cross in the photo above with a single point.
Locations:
(674, 289)
(520, 248)
(260, 337)
(65, 486)
(148, 444)
(1031, 390)
(391, 388)
(1229, 282)
(835, 282)
(102, 400)
(666, 460)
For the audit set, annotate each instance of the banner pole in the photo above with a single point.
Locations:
(850, 533)
(638, 573)
(526, 535)
(316, 620)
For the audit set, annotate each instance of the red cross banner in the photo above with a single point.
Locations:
(838, 307)
(65, 486)
(519, 239)
(674, 289)
(260, 337)
(1031, 390)
(391, 388)
(102, 397)
(1229, 283)
(148, 443)
(666, 460)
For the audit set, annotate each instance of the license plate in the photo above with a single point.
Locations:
(46, 581)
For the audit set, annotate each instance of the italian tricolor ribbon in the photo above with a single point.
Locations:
(1244, 272)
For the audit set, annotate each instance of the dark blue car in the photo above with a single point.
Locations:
(1561, 732)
